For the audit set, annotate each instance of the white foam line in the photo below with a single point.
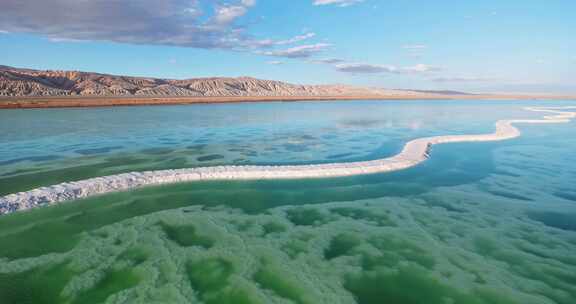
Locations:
(413, 153)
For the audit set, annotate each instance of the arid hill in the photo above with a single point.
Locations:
(16, 82)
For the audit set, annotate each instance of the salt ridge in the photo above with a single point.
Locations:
(413, 153)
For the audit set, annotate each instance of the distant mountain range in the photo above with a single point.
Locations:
(15, 82)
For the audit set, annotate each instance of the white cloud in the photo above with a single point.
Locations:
(461, 79)
(327, 61)
(421, 68)
(275, 62)
(415, 46)
(184, 23)
(365, 68)
(58, 40)
(227, 14)
(340, 3)
(299, 38)
(296, 39)
(302, 51)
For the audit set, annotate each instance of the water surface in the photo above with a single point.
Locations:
(477, 223)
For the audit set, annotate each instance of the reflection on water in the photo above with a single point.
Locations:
(478, 223)
(42, 147)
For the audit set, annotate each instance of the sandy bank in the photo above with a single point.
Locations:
(67, 102)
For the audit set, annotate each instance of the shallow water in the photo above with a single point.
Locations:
(477, 223)
(41, 147)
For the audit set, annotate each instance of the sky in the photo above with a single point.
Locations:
(477, 46)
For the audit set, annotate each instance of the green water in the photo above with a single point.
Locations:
(477, 223)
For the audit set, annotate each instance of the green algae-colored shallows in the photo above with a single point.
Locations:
(57, 229)
(112, 282)
(155, 243)
(42, 285)
(411, 286)
(60, 229)
(212, 279)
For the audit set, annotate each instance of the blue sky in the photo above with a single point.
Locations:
(488, 45)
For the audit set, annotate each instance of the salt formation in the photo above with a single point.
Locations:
(413, 153)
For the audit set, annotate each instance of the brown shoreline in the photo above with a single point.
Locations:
(67, 102)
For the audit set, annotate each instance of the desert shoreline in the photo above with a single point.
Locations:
(97, 101)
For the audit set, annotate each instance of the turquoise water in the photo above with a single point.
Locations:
(477, 223)
(42, 147)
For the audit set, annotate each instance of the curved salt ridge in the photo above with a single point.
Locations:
(413, 153)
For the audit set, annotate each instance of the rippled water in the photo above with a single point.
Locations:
(477, 223)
